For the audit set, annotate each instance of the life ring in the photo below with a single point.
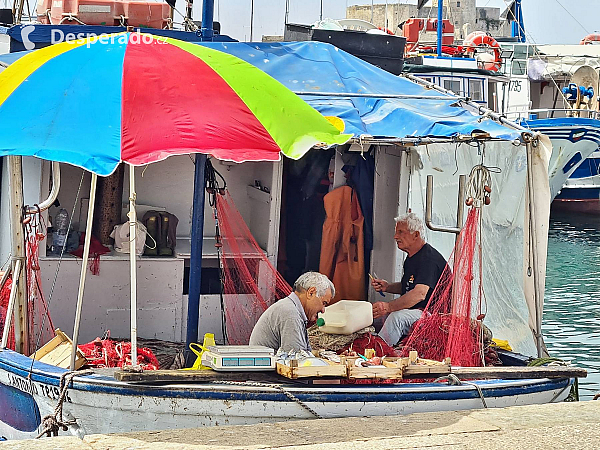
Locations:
(481, 39)
(594, 37)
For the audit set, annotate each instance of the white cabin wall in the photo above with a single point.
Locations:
(106, 297)
(386, 202)
(70, 177)
(161, 302)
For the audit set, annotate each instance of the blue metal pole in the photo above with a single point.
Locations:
(518, 26)
(193, 311)
(208, 12)
(440, 27)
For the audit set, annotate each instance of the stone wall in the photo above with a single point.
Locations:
(464, 14)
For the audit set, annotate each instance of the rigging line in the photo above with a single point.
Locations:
(62, 252)
(573, 17)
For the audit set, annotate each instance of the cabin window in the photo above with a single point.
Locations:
(476, 90)
(519, 67)
(453, 85)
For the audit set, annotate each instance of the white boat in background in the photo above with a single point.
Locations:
(581, 192)
(535, 99)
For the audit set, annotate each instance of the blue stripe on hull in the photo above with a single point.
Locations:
(592, 193)
(18, 409)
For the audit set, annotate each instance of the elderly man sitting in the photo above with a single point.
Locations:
(283, 324)
(423, 268)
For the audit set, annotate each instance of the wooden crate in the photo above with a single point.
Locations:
(57, 352)
(294, 371)
(392, 369)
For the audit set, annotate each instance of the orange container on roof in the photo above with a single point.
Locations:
(413, 27)
(148, 13)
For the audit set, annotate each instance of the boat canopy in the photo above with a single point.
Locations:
(370, 101)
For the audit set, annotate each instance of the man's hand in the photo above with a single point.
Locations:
(381, 309)
(379, 285)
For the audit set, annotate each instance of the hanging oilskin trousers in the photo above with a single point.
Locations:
(162, 233)
(342, 244)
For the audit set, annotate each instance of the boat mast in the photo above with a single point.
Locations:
(518, 26)
(193, 310)
(440, 26)
(208, 10)
(197, 231)
(15, 168)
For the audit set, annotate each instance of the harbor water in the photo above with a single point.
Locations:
(571, 323)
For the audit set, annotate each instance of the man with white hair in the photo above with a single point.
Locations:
(283, 324)
(423, 268)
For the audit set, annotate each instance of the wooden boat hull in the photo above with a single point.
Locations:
(100, 404)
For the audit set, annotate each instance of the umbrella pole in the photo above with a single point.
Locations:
(193, 310)
(84, 266)
(133, 264)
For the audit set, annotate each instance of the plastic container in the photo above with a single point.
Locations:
(60, 226)
(345, 317)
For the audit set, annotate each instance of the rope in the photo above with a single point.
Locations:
(52, 423)
(272, 386)
(215, 187)
(453, 380)
(479, 180)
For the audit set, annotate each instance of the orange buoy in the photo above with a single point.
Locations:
(593, 37)
(481, 39)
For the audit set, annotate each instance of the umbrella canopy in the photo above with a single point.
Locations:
(140, 98)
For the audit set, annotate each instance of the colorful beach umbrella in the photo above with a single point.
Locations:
(140, 98)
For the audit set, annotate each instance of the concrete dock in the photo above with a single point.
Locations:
(552, 426)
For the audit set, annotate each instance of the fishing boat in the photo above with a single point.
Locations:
(492, 72)
(400, 118)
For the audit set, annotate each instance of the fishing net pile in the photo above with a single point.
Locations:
(451, 325)
(108, 353)
(249, 282)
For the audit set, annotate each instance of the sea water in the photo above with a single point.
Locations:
(571, 323)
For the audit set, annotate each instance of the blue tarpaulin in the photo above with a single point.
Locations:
(315, 67)
(318, 67)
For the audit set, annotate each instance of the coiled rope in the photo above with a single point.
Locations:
(453, 380)
(52, 423)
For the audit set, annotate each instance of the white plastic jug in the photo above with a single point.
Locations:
(345, 317)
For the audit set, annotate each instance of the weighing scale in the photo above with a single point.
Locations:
(239, 357)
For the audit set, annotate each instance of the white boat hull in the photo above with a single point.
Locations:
(99, 404)
(573, 140)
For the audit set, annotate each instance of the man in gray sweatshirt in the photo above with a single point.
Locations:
(283, 324)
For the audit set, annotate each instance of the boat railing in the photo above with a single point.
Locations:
(551, 113)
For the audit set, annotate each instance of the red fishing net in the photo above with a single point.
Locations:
(451, 324)
(40, 328)
(4, 298)
(108, 353)
(250, 282)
